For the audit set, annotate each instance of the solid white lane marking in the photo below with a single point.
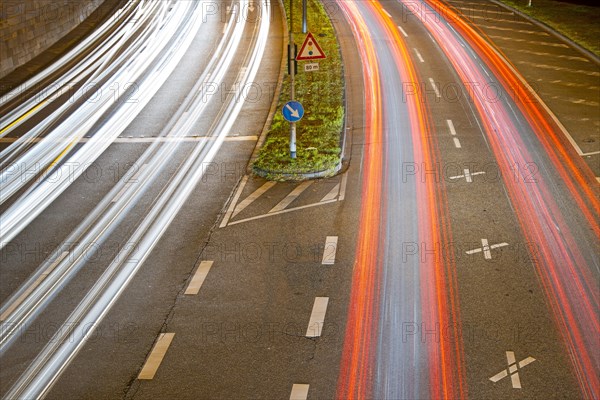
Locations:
(330, 250)
(333, 193)
(486, 249)
(457, 143)
(512, 370)
(234, 201)
(317, 317)
(419, 56)
(156, 356)
(130, 182)
(9, 310)
(198, 278)
(451, 127)
(343, 187)
(403, 31)
(435, 88)
(250, 199)
(282, 205)
(387, 13)
(299, 392)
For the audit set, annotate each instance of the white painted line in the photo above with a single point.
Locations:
(526, 361)
(234, 201)
(343, 187)
(403, 31)
(468, 176)
(299, 392)
(198, 278)
(125, 188)
(317, 317)
(387, 13)
(435, 88)
(457, 143)
(333, 194)
(156, 356)
(419, 56)
(487, 254)
(451, 126)
(287, 210)
(282, 205)
(598, 179)
(9, 310)
(330, 250)
(250, 199)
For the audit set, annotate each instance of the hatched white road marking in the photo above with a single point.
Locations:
(234, 201)
(282, 205)
(250, 199)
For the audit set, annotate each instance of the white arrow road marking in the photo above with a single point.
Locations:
(512, 370)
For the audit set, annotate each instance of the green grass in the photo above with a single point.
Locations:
(577, 22)
(322, 95)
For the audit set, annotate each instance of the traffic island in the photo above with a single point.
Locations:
(319, 88)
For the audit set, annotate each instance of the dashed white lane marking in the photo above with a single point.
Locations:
(435, 88)
(387, 13)
(299, 391)
(557, 68)
(457, 143)
(512, 39)
(419, 56)
(250, 199)
(598, 179)
(498, 28)
(573, 84)
(156, 356)
(403, 31)
(510, 21)
(330, 250)
(130, 182)
(282, 205)
(198, 278)
(451, 127)
(484, 11)
(545, 54)
(141, 139)
(486, 249)
(317, 317)
(234, 201)
(12, 307)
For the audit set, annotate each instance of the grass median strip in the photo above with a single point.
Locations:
(321, 92)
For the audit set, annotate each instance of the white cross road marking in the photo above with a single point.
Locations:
(468, 175)
(512, 370)
(486, 249)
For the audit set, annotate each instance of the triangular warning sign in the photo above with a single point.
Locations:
(310, 49)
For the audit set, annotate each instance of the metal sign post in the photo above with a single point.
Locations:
(292, 60)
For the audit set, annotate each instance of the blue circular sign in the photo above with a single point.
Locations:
(293, 111)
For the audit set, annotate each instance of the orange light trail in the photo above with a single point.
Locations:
(438, 298)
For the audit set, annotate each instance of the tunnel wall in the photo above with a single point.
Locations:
(28, 27)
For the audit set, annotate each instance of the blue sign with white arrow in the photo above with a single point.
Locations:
(293, 111)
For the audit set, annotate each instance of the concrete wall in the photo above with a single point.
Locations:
(28, 27)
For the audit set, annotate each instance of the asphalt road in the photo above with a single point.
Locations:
(455, 256)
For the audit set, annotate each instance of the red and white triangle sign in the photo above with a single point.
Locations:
(310, 49)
